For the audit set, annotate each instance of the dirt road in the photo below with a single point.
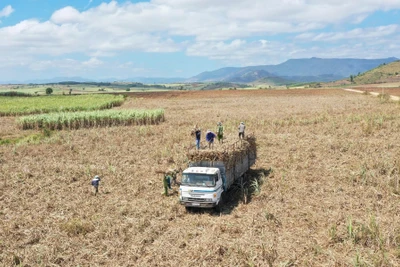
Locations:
(392, 97)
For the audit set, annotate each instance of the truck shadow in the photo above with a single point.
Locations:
(241, 191)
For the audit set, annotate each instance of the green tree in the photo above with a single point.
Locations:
(351, 78)
(49, 91)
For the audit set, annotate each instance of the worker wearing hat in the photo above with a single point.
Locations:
(96, 183)
(241, 129)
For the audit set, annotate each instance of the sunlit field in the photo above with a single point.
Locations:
(323, 192)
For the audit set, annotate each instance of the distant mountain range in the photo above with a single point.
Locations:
(291, 71)
(294, 70)
(145, 80)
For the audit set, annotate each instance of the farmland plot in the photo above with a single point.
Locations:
(324, 191)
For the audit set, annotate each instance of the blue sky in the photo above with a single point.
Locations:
(42, 39)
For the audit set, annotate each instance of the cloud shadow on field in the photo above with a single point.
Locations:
(241, 191)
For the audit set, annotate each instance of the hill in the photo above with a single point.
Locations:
(382, 74)
(296, 70)
(262, 76)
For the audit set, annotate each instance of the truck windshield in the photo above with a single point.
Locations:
(197, 179)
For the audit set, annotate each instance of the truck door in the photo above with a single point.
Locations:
(219, 185)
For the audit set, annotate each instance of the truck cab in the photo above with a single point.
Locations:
(201, 187)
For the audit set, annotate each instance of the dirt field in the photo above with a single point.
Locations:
(328, 194)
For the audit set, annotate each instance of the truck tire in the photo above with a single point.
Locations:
(221, 202)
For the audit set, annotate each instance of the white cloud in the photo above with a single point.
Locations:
(241, 52)
(207, 28)
(152, 26)
(260, 52)
(6, 11)
(93, 62)
(295, 11)
(68, 67)
(66, 15)
(355, 34)
(63, 65)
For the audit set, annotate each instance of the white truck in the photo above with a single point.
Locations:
(212, 172)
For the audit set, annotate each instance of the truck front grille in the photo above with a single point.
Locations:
(197, 199)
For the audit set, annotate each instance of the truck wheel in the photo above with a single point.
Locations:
(220, 204)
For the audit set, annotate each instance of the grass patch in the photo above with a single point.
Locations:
(77, 227)
(367, 234)
(34, 138)
(384, 98)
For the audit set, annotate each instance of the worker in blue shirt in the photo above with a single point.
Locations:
(210, 136)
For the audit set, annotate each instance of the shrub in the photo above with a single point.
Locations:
(77, 227)
(49, 91)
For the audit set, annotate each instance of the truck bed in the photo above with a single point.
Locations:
(233, 160)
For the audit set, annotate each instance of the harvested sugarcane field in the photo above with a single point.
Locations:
(324, 190)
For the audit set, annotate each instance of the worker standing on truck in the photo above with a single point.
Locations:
(210, 136)
(197, 133)
(241, 129)
(166, 183)
(96, 183)
(220, 132)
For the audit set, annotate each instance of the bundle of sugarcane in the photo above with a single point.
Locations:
(227, 153)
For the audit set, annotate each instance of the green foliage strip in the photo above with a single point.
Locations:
(14, 94)
(14, 106)
(88, 119)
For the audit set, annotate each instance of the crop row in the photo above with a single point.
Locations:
(89, 119)
(14, 106)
